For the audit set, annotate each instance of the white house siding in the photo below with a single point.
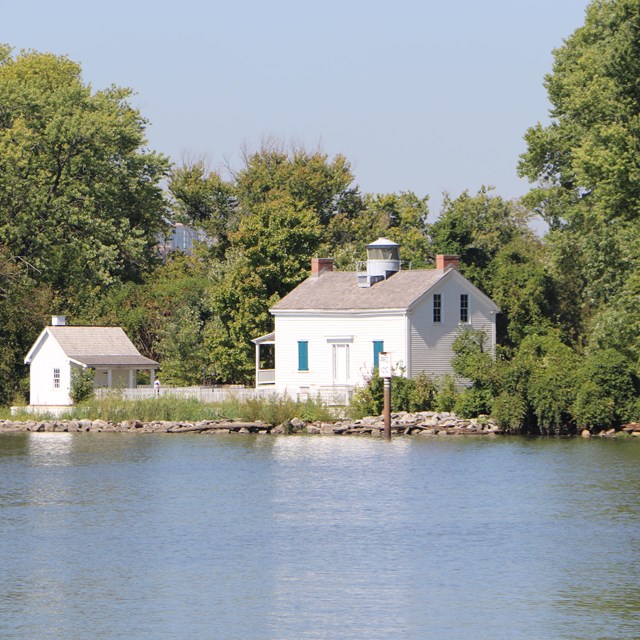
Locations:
(431, 342)
(48, 357)
(322, 331)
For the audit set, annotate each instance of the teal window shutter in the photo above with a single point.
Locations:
(378, 348)
(303, 355)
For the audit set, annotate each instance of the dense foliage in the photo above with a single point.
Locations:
(80, 198)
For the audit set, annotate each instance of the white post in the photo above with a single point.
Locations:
(110, 378)
(132, 381)
(257, 363)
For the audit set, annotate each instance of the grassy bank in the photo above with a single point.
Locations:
(273, 410)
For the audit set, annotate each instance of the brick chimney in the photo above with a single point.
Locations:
(320, 265)
(444, 262)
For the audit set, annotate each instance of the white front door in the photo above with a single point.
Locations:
(340, 364)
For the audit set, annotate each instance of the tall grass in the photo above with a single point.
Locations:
(23, 416)
(273, 410)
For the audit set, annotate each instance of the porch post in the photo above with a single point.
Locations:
(257, 362)
(109, 378)
(132, 381)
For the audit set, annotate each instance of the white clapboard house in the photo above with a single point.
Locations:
(60, 348)
(330, 330)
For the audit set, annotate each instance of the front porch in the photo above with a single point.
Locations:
(119, 377)
(265, 376)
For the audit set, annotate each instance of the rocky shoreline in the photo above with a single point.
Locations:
(426, 424)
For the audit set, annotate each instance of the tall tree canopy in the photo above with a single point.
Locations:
(476, 227)
(266, 221)
(587, 160)
(80, 197)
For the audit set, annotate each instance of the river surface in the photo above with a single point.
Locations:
(118, 536)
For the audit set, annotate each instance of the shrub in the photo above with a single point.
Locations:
(81, 384)
(547, 378)
(607, 390)
(423, 395)
(406, 395)
(362, 403)
(509, 411)
(593, 408)
(471, 359)
(472, 402)
(447, 393)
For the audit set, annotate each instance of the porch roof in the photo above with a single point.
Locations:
(267, 338)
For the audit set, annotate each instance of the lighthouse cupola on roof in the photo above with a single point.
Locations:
(383, 260)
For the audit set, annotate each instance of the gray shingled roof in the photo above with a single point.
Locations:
(339, 290)
(99, 346)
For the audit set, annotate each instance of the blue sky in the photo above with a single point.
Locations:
(419, 96)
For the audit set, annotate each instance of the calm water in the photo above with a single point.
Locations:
(287, 538)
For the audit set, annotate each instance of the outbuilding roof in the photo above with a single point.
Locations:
(95, 346)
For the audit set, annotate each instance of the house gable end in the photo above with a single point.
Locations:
(37, 345)
(454, 274)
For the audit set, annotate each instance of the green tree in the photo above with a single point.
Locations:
(282, 204)
(165, 317)
(475, 228)
(401, 217)
(523, 289)
(203, 199)
(25, 307)
(80, 197)
(269, 256)
(617, 325)
(586, 160)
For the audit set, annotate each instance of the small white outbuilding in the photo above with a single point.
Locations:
(60, 348)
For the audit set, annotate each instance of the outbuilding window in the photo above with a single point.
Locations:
(56, 378)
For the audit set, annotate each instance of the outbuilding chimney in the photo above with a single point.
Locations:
(444, 262)
(320, 265)
(58, 321)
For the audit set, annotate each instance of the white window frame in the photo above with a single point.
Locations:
(465, 308)
(437, 307)
(56, 378)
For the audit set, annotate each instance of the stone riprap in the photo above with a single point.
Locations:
(422, 423)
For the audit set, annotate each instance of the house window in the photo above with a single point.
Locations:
(464, 307)
(378, 348)
(56, 378)
(437, 307)
(303, 355)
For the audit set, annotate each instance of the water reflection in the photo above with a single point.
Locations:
(50, 449)
(337, 533)
(336, 449)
